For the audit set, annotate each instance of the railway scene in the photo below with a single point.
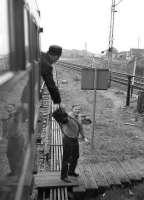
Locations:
(71, 119)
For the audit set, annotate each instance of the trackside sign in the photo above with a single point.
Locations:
(93, 78)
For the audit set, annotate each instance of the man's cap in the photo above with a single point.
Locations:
(55, 50)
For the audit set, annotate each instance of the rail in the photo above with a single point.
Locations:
(118, 77)
(132, 82)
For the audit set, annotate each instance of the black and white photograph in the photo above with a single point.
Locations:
(71, 100)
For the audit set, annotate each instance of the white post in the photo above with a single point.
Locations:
(94, 108)
(134, 70)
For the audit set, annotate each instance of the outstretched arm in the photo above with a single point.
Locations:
(52, 88)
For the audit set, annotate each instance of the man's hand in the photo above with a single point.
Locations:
(55, 106)
(62, 105)
(86, 139)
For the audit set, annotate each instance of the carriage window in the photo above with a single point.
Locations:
(14, 134)
(35, 41)
(26, 30)
(4, 37)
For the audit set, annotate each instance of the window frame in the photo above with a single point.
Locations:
(16, 35)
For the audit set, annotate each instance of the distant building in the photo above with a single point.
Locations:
(74, 53)
(139, 55)
(125, 55)
(136, 52)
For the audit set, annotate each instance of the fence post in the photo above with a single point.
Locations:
(128, 90)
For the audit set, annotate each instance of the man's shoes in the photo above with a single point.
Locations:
(73, 174)
(65, 180)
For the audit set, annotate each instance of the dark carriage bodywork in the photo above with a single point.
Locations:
(19, 96)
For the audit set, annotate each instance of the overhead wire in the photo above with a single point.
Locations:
(36, 4)
(118, 2)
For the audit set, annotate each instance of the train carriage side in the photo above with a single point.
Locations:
(19, 96)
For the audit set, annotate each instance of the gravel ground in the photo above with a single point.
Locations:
(118, 133)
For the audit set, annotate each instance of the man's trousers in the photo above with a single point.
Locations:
(70, 155)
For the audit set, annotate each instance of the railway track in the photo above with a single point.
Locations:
(118, 77)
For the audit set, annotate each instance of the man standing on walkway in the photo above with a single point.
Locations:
(71, 129)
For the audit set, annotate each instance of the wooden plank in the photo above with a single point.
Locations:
(90, 179)
(58, 161)
(51, 179)
(88, 183)
(58, 157)
(51, 194)
(55, 149)
(66, 193)
(60, 136)
(58, 191)
(128, 170)
(51, 157)
(112, 173)
(140, 160)
(84, 178)
(136, 169)
(54, 157)
(81, 186)
(57, 153)
(54, 194)
(116, 172)
(44, 195)
(60, 152)
(139, 165)
(101, 182)
(53, 133)
(55, 182)
(62, 195)
(46, 174)
(106, 173)
(52, 154)
(120, 172)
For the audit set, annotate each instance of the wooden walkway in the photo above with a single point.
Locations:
(99, 175)
(56, 147)
(92, 176)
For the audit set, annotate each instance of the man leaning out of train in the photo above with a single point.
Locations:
(47, 59)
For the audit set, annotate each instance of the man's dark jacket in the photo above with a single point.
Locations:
(47, 74)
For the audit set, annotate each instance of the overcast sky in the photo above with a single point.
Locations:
(74, 23)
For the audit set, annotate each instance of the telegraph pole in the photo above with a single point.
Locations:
(94, 104)
(138, 42)
(111, 38)
(112, 24)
